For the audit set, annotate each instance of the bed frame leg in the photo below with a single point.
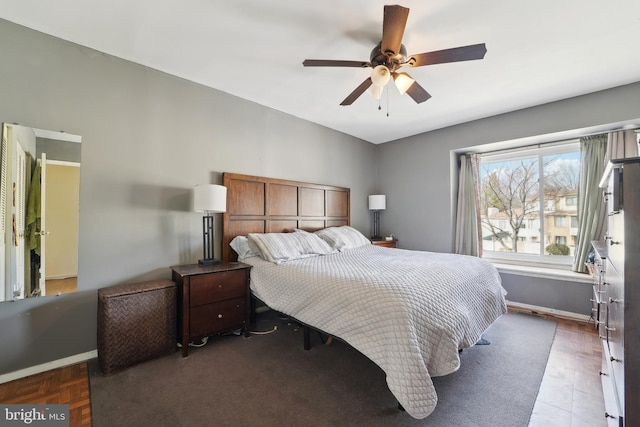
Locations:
(307, 337)
(400, 408)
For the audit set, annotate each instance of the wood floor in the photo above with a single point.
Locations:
(570, 393)
(61, 286)
(68, 385)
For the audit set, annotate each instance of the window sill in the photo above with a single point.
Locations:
(546, 273)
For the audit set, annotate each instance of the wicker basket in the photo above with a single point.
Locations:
(136, 323)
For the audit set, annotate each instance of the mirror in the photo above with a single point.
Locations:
(39, 209)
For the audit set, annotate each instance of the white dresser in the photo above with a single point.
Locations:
(618, 294)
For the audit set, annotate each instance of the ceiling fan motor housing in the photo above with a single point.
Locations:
(390, 60)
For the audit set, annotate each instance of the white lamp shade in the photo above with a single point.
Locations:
(377, 202)
(210, 198)
(380, 75)
(403, 82)
(376, 91)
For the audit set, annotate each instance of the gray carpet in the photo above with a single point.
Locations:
(270, 380)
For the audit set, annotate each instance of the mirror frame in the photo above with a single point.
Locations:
(21, 269)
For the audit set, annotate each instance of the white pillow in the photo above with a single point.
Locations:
(282, 247)
(344, 237)
(240, 244)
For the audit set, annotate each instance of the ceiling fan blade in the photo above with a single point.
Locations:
(334, 63)
(393, 24)
(456, 54)
(357, 92)
(417, 93)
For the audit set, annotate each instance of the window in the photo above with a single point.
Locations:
(560, 221)
(574, 221)
(529, 201)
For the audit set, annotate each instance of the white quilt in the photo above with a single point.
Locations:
(407, 311)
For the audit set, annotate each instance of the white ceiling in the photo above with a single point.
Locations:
(537, 52)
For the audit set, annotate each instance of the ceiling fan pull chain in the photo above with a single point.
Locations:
(387, 102)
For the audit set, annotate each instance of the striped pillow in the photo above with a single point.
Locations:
(282, 247)
(341, 238)
(240, 244)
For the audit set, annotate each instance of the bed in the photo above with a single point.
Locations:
(410, 312)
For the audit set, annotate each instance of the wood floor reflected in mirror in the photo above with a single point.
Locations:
(62, 286)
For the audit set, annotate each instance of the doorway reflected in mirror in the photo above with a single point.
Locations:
(39, 212)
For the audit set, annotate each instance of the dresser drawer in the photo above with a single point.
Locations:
(208, 288)
(217, 317)
(616, 240)
(609, 390)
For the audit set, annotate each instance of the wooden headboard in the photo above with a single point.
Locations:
(268, 205)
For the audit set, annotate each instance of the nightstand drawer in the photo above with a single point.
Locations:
(386, 243)
(208, 288)
(221, 317)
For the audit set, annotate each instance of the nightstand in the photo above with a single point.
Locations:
(385, 243)
(211, 300)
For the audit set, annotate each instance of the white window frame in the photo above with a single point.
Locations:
(539, 150)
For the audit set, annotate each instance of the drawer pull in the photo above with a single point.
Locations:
(613, 359)
(602, 337)
(614, 242)
(609, 329)
(599, 322)
(615, 301)
(603, 374)
(608, 415)
(219, 316)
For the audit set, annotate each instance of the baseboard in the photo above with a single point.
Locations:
(545, 311)
(32, 370)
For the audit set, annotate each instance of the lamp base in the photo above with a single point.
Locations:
(209, 261)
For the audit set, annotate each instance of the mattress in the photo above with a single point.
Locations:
(408, 311)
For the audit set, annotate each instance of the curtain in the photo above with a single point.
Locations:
(622, 144)
(468, 233)
(591, 209)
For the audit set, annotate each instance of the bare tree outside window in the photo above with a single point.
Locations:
(510, 194)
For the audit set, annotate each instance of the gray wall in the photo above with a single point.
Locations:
(147, 139)
(417, 173)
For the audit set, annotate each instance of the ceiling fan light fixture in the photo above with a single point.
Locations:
(380, 75)
(403, 82)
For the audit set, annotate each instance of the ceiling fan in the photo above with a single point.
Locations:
(390, 55)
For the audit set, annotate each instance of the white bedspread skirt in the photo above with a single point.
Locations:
(407, 311)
